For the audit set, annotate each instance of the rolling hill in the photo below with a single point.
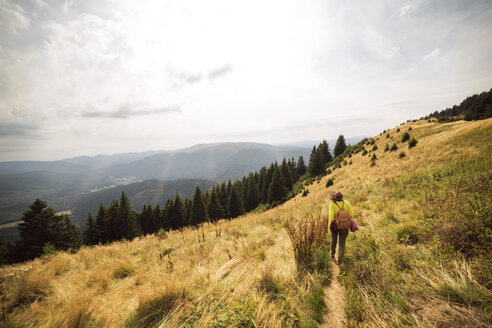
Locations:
(415, 262)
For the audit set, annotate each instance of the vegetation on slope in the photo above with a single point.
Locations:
(400, 271)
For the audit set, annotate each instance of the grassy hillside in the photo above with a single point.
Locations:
(420, 259)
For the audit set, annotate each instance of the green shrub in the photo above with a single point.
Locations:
(398, 130)
(240, 315)
(408, 234)
(315, 300)
(123, 271)
(344, 162)
(410, 129)
(375, 148)
(405, 137)
(328, 171)
(386, 148)
(394, 147)
(305, 192)
(387, 136)
(374, 157)
(401, 155)
(412, 143)
(364, 152)
(329, 183)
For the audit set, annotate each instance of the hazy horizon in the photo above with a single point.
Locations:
(107, 77)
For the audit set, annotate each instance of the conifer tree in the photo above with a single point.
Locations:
(147, 220)
(99, 234)
(187, 210)
(234, 206)
(198, 209)
(301, 166)
(266, 183)
(90, 234)
(214, 209)
(325, 150)
(340, 146)
(252, 198)
(286, 174)
(277, 190)
(113, 229)
(177, 214)
(128, 221)
(316, 164)
(223, 198)
(166, 215)
(157, 214)
(41, 226)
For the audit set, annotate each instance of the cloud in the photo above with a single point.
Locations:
(433, 53)
(219, 72)
(13, 16)
(130, 110)
(185, 78)
(12, 129)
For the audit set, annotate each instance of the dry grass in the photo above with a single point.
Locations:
(242, 271)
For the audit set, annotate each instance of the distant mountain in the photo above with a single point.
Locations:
(220, 161)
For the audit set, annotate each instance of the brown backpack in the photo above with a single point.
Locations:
(342, 218)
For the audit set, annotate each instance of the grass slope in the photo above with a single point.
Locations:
(242, 273)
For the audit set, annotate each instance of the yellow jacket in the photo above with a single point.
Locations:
(333, 210)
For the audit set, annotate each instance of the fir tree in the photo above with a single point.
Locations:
(316, 164)
(112, 229)
(340, 146)
(90, 235)
(147, 220)
(277, 190)
(325, 150)
(177, 214)
(198, 209)
(301, 167)
(99, 235)
(252, 198)
(234, 206)
(127, 219)
(214, 209)
(286, 174)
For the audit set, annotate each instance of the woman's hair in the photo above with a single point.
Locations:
(336, 196)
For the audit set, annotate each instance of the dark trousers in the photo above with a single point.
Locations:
(340, 234)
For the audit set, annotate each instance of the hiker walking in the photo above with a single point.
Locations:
(340, 221)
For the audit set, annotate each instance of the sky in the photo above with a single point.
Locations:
(94, 77)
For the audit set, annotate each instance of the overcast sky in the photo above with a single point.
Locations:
(107, 76)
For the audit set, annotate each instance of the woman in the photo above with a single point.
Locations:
(336, 204)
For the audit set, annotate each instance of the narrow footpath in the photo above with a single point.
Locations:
(335, 301)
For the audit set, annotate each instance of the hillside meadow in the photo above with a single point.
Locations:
(420, 259)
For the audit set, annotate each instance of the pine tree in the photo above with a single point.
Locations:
(325, 150)
(198, 209)
(34, 230)
(340, 146)
(316, 164)
(214, 209)
(252, 198)
(68, 237)
(41, 226)
(112, 228)
(234, 205)
(301, 167)
(286, 174)
(99, 235)
(177, 214)
(147, 220)
(277, 190)
(128, 221)
(90, 232)
(266, 183)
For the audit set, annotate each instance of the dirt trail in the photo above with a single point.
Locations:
(335, 301)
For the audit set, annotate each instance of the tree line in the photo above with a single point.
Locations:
(476, 107)
(42, 231)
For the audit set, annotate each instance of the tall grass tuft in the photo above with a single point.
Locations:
(153, 310)
(307, 236)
